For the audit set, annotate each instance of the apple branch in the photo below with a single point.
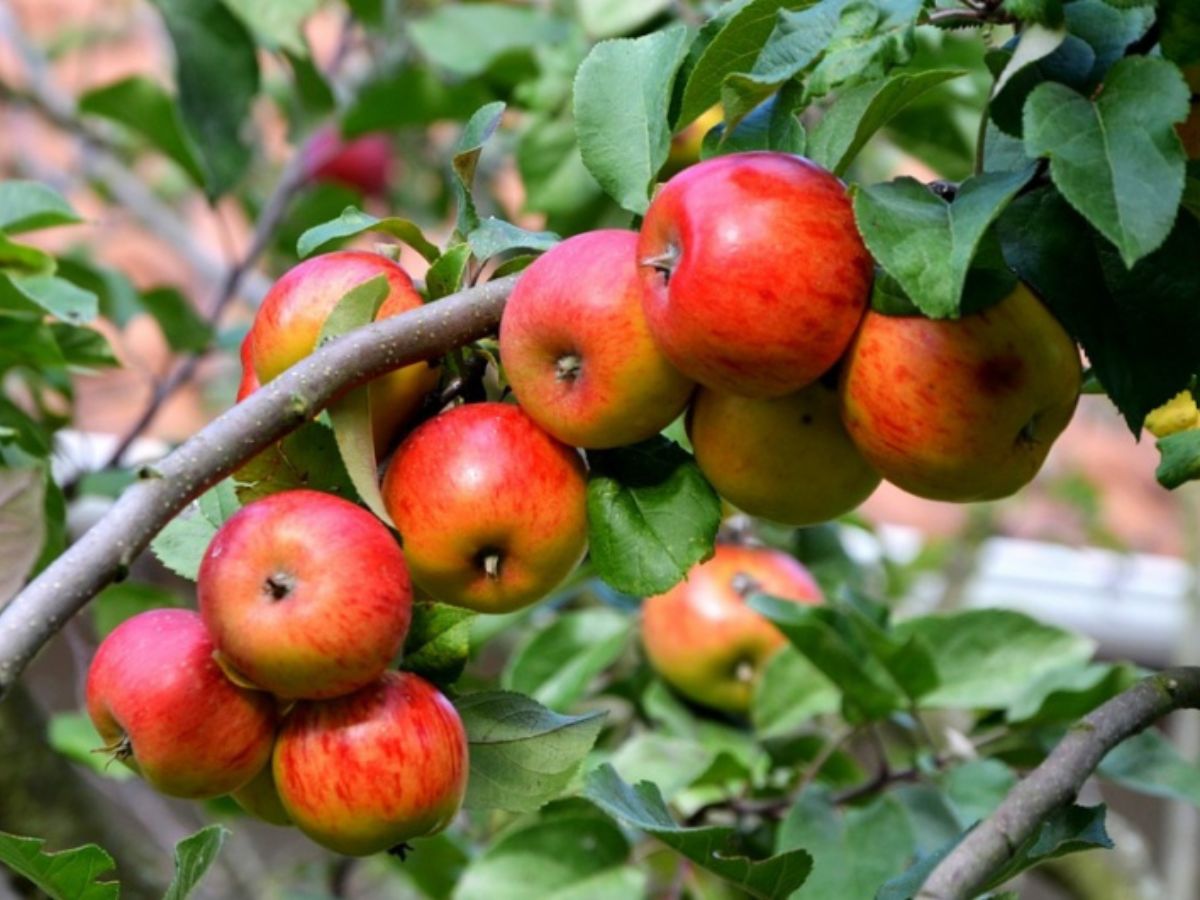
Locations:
(106, 551)
(1058, 780)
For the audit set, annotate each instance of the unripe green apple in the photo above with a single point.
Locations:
(288, 323)
(783, 458)
(961, 409)
(366, 772)
(703, 639)
(753, 272)
(259, 797)
(577, 350)
(164, 707)
(305, 594)
(492, 509)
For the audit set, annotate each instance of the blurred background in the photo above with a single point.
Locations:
(1094, 545)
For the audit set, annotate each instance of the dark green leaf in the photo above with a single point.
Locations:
(1180, 22)
(22, 492)
(789, 692)
(495, 236)
(1107, 30)
(1066, 694)
(522, 754)
(83, 347)
(354, 222)
(481, 126)
(438, 642)
(29, 206)
(193, 857)
(66, 875)
(771, 126)
(426, 99)
(622, 96)
(1069, 830)
(466, 40)
(448, 274)
(927, 244)
(870, 39)
(216, 69)
(125, 599)
(714, 848)
(1150, 764)
(143, 107)
(651, 516)
(23, 260)
(1117, 159)
(1180, 461)
(308, 457)
(181, 545)
(435, 865)
(119, 300)
(25, 342)
(556, 664)
(184, 329)
(1042, 54)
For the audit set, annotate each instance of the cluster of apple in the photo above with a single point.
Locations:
(279, 691)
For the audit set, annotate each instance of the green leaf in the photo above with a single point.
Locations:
(481, 126)
(1116, 159)
(671, 763)
(82, 347)
(571, 851)
(1107, 30)
(611, 18)
(118, 298)
(1180, 22)
(713, 848)
(522, 754)
(143, 107)
(181, 545)
(734, 49)
(22, 524)
(185, 330)
(126, 599)
(651, 516)
(194, 855)
(434, 867)
(986, 657)
(350, 414)
(276, 23)
(859, 112)
(622, 97)
(1068, 693)
(438, 642)
(57, 296)
(28, 343)
(770, 126)
(837, 839)
(1150, 764)
(927, 244)
(66, 875)
(29, 206)
(789, 692)
(306, 458)
(74, 736)
(427, 99)
(495, 236)
(1136, 325)
(1041, 55)
(1180, 461)
(354, 222)
(21, 259)
(1068, 830)
(975, 788)
(216, 69)
(557, 664)
(466, 40)
(448, 274)
(871, 38)
(552, 169)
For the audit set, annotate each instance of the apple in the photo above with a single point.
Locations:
(260, 799)
(369, 771)
(305, 594)
(363, 163)
(492, 510)
(288, 323)
(783, 458)
(249, 382)
(577, 351)
(703, 639)
(687, 143)
(164, 707)
(754, 275)
(961, 409)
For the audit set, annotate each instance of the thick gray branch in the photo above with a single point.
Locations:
(1057, 781)
(106, 551)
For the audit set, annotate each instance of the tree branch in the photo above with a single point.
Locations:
(1058, 780)
(105, 552)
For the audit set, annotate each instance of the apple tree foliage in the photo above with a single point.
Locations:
(1048, 132)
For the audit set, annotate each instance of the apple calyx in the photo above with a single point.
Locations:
(567, 367)
(119, 750)
(401, 851)
(743, 671)
(744, 584)
(489, 560)
(279, 585)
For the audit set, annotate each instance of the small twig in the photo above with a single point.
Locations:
(881, 779)
(339, 876)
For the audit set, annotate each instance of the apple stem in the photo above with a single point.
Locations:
(664, 262)
(567, 368)
(743, 585)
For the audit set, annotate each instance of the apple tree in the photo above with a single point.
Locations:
(609, 313)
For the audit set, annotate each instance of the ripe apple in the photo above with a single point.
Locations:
(259, 797)
(703, 639)
(288, 323)
(363, 163)
(368, 771)
(164, 707)
(686, 145)
(754, 275)
(305, 594)
(492, 510)
(577, 351)
(961, 409)
(783, 458)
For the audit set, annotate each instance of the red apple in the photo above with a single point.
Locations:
(783, 458)
(288, 323)
(961, 409)
(249, 382)
(162, 705)
(577, 351)
(753, 271)
(305, 594)
(491, 509)
(367, 772)
(363, 163)
(703, 639)
(260, 799)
